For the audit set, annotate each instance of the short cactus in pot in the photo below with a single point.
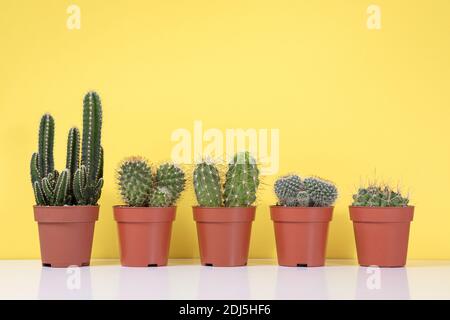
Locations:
(301, 219)
(225, 212)
(381, 222)
(145, 223)
(65, 199)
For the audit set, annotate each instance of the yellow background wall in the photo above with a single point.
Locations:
(348, 101)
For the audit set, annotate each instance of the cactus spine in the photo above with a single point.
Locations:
(207, 185)
(88, 178)
(139, 187)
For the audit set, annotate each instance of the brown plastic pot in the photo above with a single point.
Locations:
(301, 235)
(66, 234)
(381, 234)
(224, 235)
(144, 235)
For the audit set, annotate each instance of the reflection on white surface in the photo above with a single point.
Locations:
(262, 279)
(144, 283)
(223, 283)
(301, 283)
(62, 283)
(382, 283)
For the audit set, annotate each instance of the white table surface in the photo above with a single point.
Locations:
(261, 279)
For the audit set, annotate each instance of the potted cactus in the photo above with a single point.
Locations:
(224, 218)
(66, 202)
(381, 220)
(301, 218)
(145, 223)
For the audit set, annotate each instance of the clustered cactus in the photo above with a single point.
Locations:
(379, 196)
(140, 187)
(239, 189)
(76, 184)
(292, 191)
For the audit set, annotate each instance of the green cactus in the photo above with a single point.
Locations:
(171, 177)
(76, 184)
(378, 196)
(72, 160)
(290, 191)
(160, 197)
(241, 182)
(88, 178)
(50, 188)
(321, 193)
(135, 181)
(207, 185)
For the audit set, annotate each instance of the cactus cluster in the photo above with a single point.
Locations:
(292, 191)
(379, 196)
(239, 189)
(75, 185)
(139, 186)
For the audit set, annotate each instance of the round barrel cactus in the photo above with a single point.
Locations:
(135, 181)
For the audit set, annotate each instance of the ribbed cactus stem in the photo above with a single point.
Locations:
(46, 140)
(73, 151)
(207, 185)
(92, 126)
(171, 177)
(242, 181)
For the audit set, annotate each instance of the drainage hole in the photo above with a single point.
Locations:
(302, 265)
(152, 265)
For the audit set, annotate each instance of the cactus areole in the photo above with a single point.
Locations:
(66, 201)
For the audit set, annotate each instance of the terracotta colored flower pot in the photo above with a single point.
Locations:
(224, 235)
(66, 234)
(144, 235)
(381, 234)
(301, 235)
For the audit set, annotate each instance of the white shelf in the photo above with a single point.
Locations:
(261, 279)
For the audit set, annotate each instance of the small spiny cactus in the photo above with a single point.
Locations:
(207, 185)
(135, 181)
(321, 193)
(378, 196)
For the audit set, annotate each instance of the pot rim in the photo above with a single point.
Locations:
(224, 214)
(66, 214)
(124, 214)
(67, 207)
(381, 214)
(280, 214)
(141, 208)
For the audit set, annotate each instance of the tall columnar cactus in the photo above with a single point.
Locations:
(88, 178)
(241, 182)
(50, 188)
(292, 191)
(170, 176)
(135, 181)
(321, 193)
(72, 159)
(207, 185)
(377, 196)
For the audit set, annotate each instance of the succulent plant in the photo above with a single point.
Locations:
(75, 185)
(88, 178)
(379, 196)
(140, 187)
(50, 188)
(321, 193)
(240, 187)
(160, 197)
(292, 191)
(207, 185)
(172, 177)
(135, 181)
(241, 182)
